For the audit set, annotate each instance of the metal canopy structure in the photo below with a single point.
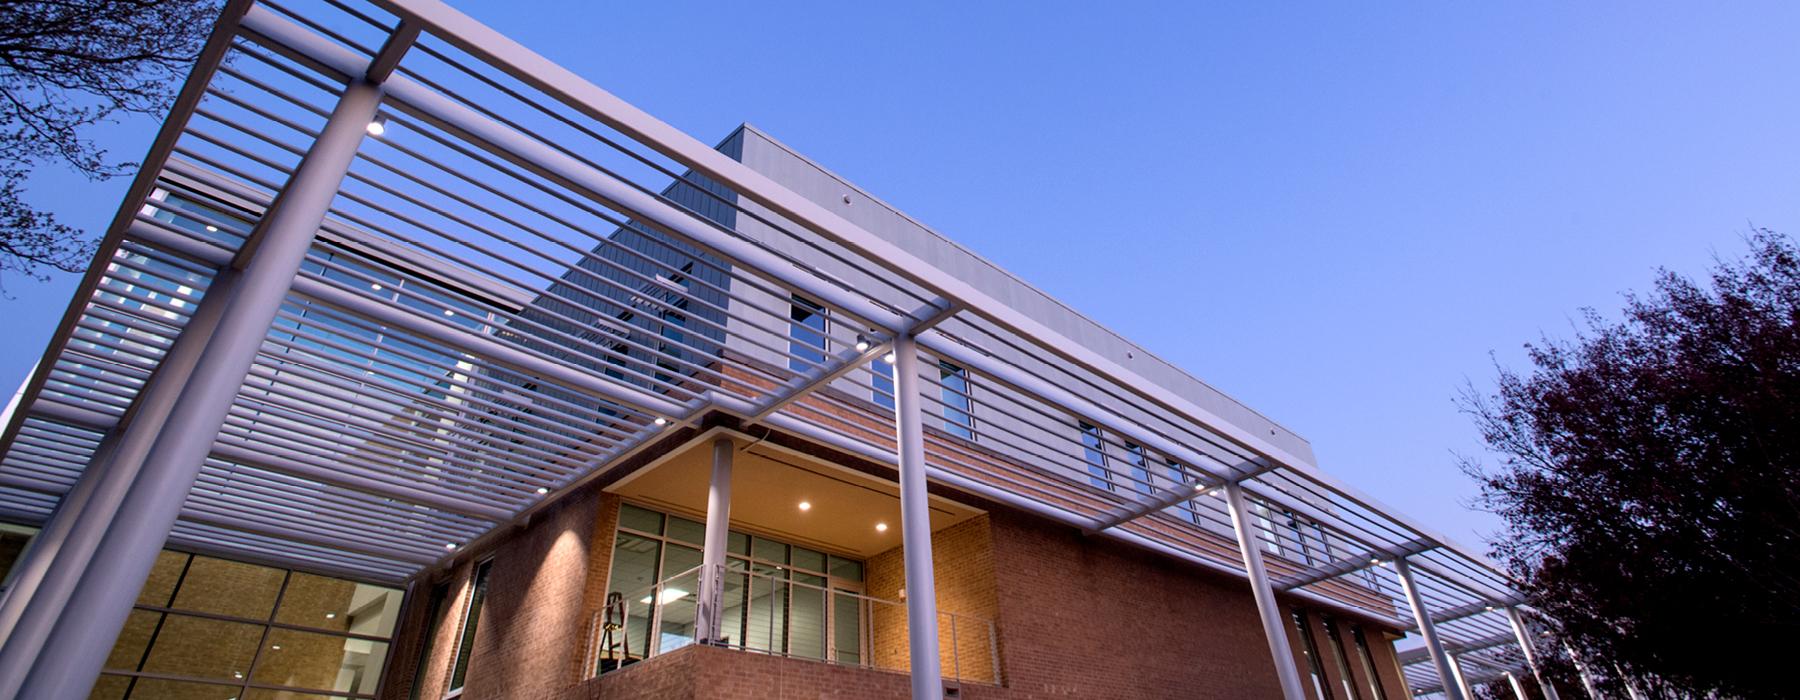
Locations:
(516, 280)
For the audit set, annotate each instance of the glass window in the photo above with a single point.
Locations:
(320, 661)
(768, 550)
(1310, 649)
(675, 602)
(808, 559)
(159, 588)
(846, 628)
(806, 335)
(198, 647)
(687, 530)
(959, 404)
(1339, 658)
(807, 615)
(339, 605)
(1140, 471)
(1368, 664)
(434, 616)
(881, 383)
(846, 569)
(635, 518)
(775, 597)
(1093, 451)
(634, 572)
(214, 654)
(229, 588)
(466, 641)
(134, 640)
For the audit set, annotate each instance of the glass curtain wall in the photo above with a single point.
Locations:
(777, 597)
(214, 628)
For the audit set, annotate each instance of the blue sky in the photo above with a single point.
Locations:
(1332, 212)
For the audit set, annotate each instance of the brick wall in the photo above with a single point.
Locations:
(962, 558)
(725, 674)
(1076, 617)
(532, 636)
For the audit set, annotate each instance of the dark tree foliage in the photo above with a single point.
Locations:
(1650, 482)
(65, 66)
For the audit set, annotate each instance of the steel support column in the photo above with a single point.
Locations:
(712, 557)
(1266, 605)
(1517, 687)
(915, 524)
(71, 657)
(1462, 682)
(1447, 675)
(1522, 630)
(61, 552)
(1587, 680)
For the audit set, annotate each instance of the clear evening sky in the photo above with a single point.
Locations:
(1332, 212)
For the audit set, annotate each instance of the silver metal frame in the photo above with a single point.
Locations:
(494, 383)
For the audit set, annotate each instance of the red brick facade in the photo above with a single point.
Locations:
(1076, 617)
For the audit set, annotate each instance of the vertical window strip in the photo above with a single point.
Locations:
(1140, 469)
(959, 403)
(1368, 664)
(1338, 658)
(471, 618)
(434, 616)
(1093, 450)
(806, 334)
(1321, 688)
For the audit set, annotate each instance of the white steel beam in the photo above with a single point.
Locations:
(1267, 607)
(1522, 632)
(1422, 617)
(710, 613)
(915, 525)
(76, 648)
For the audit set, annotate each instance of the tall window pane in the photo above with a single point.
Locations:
(1338, 658)
(677, 609)
(1140, 471)
(806, 334)
(846, 628)
(959, 406)
(1310, 650)
(1093, 450)
(434, 616)
(881, 383)
(465, 644)
(1368, 664)
(634, 572)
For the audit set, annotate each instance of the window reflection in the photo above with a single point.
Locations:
(206, 627)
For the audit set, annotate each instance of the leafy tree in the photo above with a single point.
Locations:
(65, 66)
(1649, 477)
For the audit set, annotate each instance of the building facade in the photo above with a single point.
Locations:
(417, 367)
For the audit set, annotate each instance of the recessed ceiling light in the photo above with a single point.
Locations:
(211, 228)
(450, 546)
(331, 616)
(806, 505)
(543, 490)
(375, 287)
(276, 647)
(448, 312)
(661, 420)
(881, 527)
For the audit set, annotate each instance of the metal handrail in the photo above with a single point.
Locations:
(645, 622)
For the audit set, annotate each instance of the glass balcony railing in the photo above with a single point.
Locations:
(778, 611)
